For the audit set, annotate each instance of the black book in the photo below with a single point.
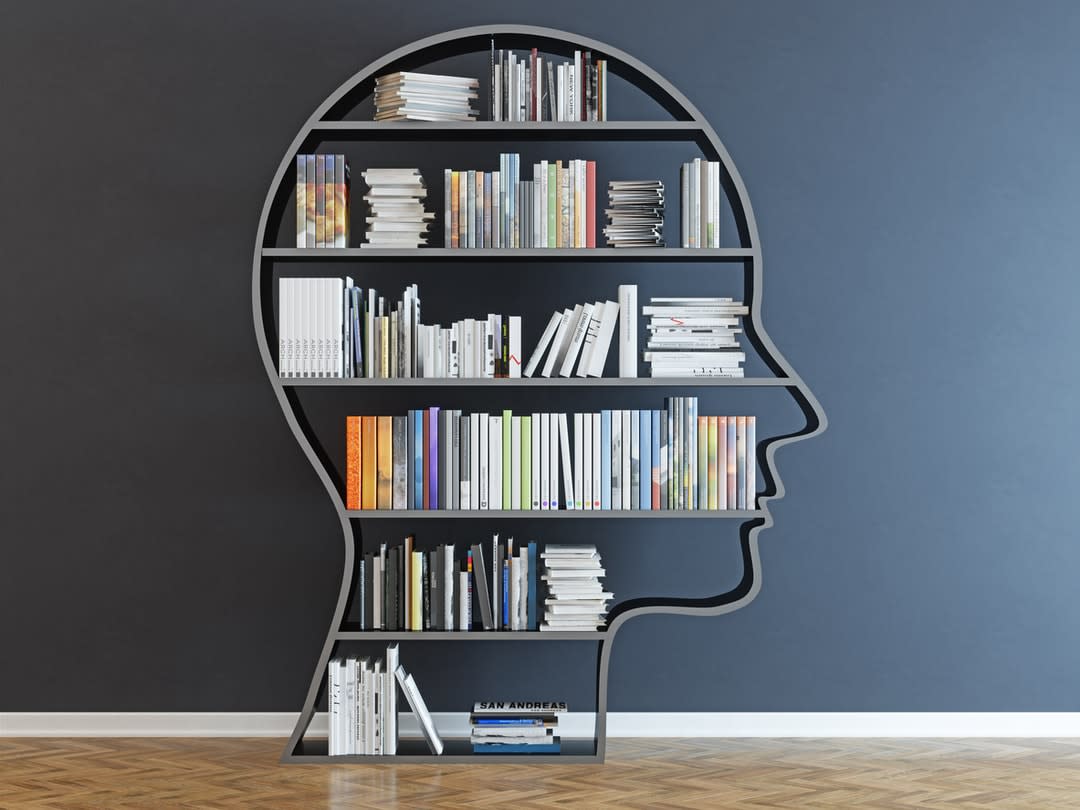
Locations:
(369, 593)
(505, 353)
(436, 589)
(480, 577)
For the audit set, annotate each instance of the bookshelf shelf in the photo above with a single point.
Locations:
(548, 514)
(686, 125)
(473, 255)
(544, 382)
(508, 130)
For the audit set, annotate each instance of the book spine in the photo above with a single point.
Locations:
(487, 242)
(654, 475)
(506, 468)
(534, 458)
(320, 201)
(525, 470)
(432, 462)
(628, 330)
(401, 479)
(605, 460)
(740, 461)
(328, 189)
(515, 463)
(645, 459)
(590, 204)
(352, 462)
(369, 462)
(448, 208)
(596, 470)
(301, 201)
(310, 207)
(751, 462)
(702, 439)
(579, 463)
(732, 473)
(721, 462)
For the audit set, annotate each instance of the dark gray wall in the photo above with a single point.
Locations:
(914, 172)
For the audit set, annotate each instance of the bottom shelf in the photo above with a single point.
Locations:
(456, 751)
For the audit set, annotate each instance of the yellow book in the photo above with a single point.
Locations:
(713, 460)
(367, 461)
(416, 615)
(384, 448)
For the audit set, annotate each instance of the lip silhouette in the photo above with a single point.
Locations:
(692, 125)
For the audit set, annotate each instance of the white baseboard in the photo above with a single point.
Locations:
(620, 724)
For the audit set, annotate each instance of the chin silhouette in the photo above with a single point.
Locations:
(692, 126)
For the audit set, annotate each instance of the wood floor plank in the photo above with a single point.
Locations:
(644, 773)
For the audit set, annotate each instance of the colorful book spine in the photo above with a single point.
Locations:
(721, 462)
(654, 476)
(320, 201)
(712, 500)
(732, 498)
(702, 462)
(590, 204)
(740, 461)
(384, 441)
(432, 461)
(418, 460)
(368, 457)
(751, 462)
(311, 202)
(301, 201)
(352, 462)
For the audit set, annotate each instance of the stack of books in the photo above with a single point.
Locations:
(498, 209)
(531, 87)
(582, 337)
(398, 218)
(699, 182)
(576, 600)
(361, 695)
(636, 213)
(516, 727)
(322, 201)
(625, 459)
(425, 97)
(694, 337)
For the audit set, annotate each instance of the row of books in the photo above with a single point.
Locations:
(322, 201)
(397, 217)
(406, 96)
(583, 335)
(404, 588)
(576, 600)
(699, 185)
(615, 459)
(361, 698)
(694, 337)
(499, 209)
(635, 213)
(515, 727)
(531, 87)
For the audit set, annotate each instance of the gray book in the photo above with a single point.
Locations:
(455, 459)
(480, 578)
(400, 463)
(465, 488)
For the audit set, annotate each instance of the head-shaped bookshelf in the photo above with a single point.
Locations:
(335, 121)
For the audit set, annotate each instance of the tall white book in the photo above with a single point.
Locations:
(628, 330)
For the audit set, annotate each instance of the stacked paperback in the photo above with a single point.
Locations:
(636, 213)
(515, 727)
(498, 209)
(582, 337)
(401, 588)
(361, 696)
(425, 97)
(531, 87)
(322, 201)
(437, 458)
(576, 600)
(694, 337)
(395, 198)
(699, 183)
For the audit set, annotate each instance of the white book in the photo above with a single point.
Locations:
(695, 204)
(598, 357)
(468, 347)
(474, 462)
(542, 209)
(541, 346)
(577, 338)
(616, 459)
(559, 342)
(560, 81)
(495, 462)
(485, 460)
(586, 467)
(449, 583)
(377, 595)
(534, 460)
(512, 597)
(751, 462)
(628, 329)
(464, 601)
(489, 347)
(568, 471)
(545, 459)
(579, 468)
(635, 459)
(515, 463)
(714, 168)
(390, 727)
(353, 738)
(515, 346)
(416, 703)
(496, 114)
(596, 468)
(591, 332)
(553, 463)
(285, 315)
(684, 202)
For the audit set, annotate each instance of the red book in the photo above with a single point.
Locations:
(532, 86)
(427, 460)
(590, 204)
(352, 462)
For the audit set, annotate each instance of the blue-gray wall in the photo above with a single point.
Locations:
(915, 176)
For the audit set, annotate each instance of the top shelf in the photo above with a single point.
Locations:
(508, 130)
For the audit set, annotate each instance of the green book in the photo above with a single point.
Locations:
(507, 424)
(552, 205)
(526, 462)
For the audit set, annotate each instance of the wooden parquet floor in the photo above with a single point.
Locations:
(654, 773)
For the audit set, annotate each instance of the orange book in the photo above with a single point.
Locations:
(367, 458)
(352, 462)
(454, 212)
(384, 449)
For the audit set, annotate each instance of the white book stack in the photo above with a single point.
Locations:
(635, 213)
(362, 700)
(425, 97)
(575, 598)
(397, 217)
(576, 342)
(694, 337)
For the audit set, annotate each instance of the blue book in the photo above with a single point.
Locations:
(605, 459)
(507, 721)
(506, 594)
(645, 460)
(515, 748)
(433, 458)
(654, 473)
(532, 587)
(418, 459)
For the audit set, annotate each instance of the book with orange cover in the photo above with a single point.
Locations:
(384, 443)
(590, 204)
(352, 462)
(368, 428)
